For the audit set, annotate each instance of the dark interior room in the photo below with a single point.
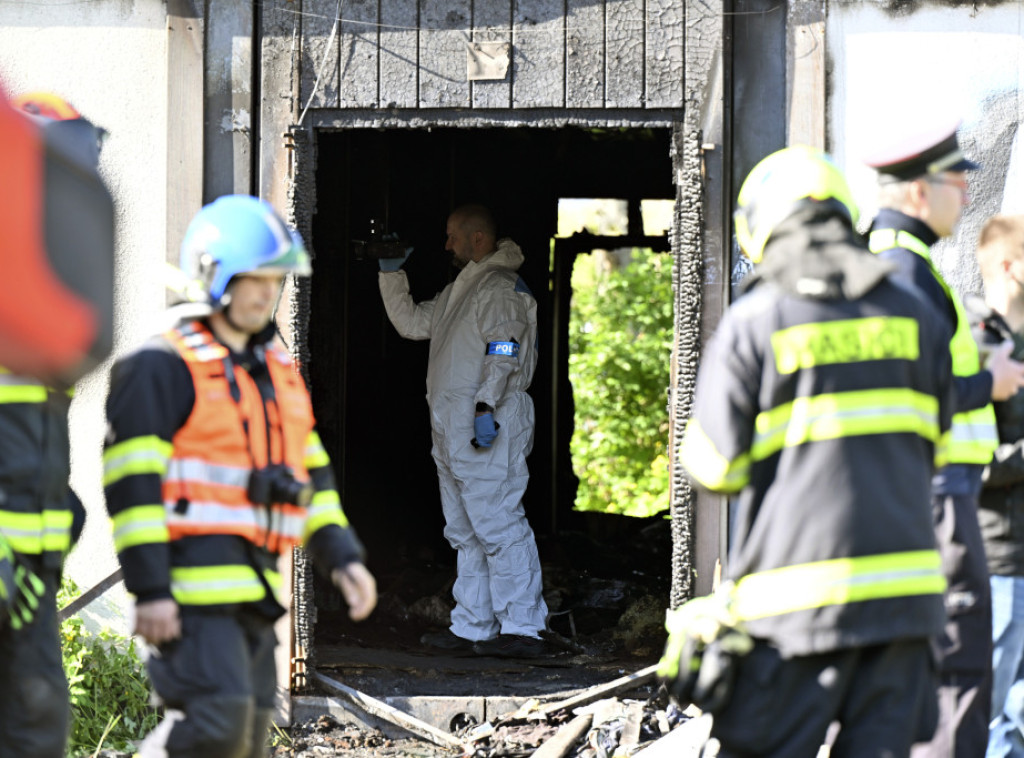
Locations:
(368, 382)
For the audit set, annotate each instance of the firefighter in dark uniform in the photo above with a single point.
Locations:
(41, 517)
(824, 401)
(922, 194)
(213, 469)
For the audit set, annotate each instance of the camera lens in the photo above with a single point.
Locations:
(291, 491)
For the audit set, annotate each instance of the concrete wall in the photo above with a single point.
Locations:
(108, 58)
(894, 65)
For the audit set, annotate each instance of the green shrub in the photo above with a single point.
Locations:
(620, 342)
(107, 683)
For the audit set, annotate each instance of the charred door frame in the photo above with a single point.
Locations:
(302, 149)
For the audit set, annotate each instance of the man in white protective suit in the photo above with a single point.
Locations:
(482, 329)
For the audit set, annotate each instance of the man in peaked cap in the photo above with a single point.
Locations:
(922, 193)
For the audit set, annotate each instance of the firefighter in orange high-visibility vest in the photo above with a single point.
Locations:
(213, 469)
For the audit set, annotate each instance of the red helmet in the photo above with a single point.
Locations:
(46, 105)
(57, 116)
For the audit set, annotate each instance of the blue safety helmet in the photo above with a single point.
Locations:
(239, 234)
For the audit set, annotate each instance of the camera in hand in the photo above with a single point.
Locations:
(277, 484)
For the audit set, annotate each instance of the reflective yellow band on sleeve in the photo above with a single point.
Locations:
(838, 582)
(315, 455)
(22, 393)
(138, 455)
(140, 525)
(36, 533)
(323, 510)
(702, 460)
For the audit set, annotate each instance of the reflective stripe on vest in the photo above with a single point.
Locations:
(214, 585)
(205, 485)
(973, 437)
(839, 581)
(37, 533)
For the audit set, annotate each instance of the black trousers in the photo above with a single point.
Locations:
(221, 675)
(34, 709)
(883, 698)
(964, 650)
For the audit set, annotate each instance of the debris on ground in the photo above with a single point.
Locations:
(601, 729)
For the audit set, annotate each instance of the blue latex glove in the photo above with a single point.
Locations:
(486, 430)
(390, 265)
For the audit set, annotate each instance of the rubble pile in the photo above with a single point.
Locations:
(604, 729)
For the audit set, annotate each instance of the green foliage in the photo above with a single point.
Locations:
(620, 343)
(107, 683)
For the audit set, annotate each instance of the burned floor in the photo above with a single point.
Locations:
(606, 599)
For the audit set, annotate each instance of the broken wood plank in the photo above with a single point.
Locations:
(631, 729)
(622, 684)
(565, 739)
(382, 710)
(685, 741)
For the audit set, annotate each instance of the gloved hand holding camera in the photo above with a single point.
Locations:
(390, 265)
(704, 645)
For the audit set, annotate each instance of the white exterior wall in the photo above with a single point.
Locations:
(892, 71)
(108, 58)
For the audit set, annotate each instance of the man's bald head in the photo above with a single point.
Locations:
(472, 233)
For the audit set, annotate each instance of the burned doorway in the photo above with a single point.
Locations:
(368, 383)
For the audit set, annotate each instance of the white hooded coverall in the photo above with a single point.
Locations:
(498, 584)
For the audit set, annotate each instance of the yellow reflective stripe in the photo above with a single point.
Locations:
(881, 240)
(838, 582)
(35, 533)
(24, 531)
(209, 585)
(846, 341)
(324, 509)
(701, 458)
(846, 414)
(138, 455)
(57, 530)
(942, 449)
(139, 525)
(974, 436)
(316, 456)
(22, 393)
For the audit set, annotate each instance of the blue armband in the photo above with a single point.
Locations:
(511, 349)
